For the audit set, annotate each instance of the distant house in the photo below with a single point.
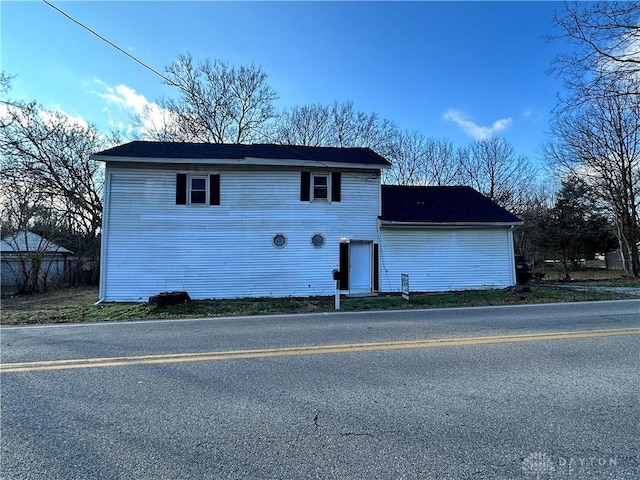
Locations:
(223, 221)
(31, 262)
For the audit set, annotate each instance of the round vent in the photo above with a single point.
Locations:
(279, 240)
(317, 240)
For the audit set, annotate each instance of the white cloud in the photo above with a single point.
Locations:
(124, 97)
(478, 132)
(135, 104)
(118, 125)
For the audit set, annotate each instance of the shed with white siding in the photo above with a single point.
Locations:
(444, 238)
(30, 260)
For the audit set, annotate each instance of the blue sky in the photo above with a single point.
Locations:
(454, 70)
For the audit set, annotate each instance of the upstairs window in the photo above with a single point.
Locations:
(197, 189)
(320, 187)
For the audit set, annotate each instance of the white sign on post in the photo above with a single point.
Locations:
(405, 285)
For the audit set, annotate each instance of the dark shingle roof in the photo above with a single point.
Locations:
(178, 150)
(440, 205)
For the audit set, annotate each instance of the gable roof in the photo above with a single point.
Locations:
(441, 205)
(179, 152)
(28, 241)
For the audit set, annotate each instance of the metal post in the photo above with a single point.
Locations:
(337, 304)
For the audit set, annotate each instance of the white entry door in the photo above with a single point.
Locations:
(360, 268)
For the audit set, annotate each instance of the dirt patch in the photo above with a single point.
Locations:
(49, 300)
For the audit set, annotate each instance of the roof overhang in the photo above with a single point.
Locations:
(247, 161)
(396, 224)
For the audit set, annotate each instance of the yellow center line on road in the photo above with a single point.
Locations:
(78, 363)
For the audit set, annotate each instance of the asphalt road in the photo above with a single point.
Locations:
(399, 402)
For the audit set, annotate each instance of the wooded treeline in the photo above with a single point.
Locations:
(51, 186)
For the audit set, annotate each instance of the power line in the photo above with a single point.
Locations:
(166, 79)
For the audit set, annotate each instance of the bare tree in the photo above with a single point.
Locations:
(605, 59)
(408, 156)
(444, 163)
(492, 167)
(601, 144)
(353, 128)
(420, 160)
(5, 85)
(596, 128)
(534, 209)
(309, 125)
(26, 256)
(52, 151)
(416, 159)
(338, 125)
(46, 154)
(216, 103)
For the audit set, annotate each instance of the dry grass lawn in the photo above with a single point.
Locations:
(599, 275)
(62, 298)
(77, 304)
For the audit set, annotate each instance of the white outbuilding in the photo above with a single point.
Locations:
(30, 261)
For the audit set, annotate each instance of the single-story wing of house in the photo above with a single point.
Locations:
(445, 238)
(226, 221)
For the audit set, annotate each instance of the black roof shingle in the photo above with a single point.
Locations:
(440, 205)
(183, 150)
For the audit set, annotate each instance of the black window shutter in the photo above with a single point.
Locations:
(305, 186)
(376, 267)
(335, 186)
(343, 284)
(214, 189)
(181, 189)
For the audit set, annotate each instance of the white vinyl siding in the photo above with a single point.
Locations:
(153, 245)
(444, 259)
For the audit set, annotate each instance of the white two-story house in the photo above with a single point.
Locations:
(225, 221)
